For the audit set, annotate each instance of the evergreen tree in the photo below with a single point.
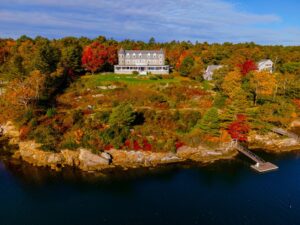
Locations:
(237, 106)
(17, 68)
(152, 41)
(47, 57)
(71, 58)
(186, 66)
(210, 123)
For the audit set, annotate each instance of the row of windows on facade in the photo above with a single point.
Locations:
(143, 61)
(140, 55)
(138, 68)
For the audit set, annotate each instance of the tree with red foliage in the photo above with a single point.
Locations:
(239, 128)
(179, 144)
(146, 145)
(297, 103)
(135, 145)
(96, 56)
(108, 147)
(247, 67)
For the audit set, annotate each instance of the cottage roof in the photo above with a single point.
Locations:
(141, 51)
(212, 68)
(142, 54)
(264, 61)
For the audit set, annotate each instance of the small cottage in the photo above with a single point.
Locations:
(208, 75)
(265, 65)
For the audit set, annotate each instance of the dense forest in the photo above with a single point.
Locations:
(60, 93)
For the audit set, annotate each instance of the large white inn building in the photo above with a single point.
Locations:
(141, 61)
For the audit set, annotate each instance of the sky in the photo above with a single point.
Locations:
(261, 21)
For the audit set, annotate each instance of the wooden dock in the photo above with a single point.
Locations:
(286, 133)
(261, 165)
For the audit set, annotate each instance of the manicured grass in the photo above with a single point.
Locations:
(102, 79)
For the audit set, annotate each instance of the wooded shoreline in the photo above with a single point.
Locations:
(85, 160)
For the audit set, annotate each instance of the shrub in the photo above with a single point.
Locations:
(69, 143)
(25, 117)
(46, 136)
(153, 78)
(168, 76)
(206, 85)
(24, 131)
(219, 101)
(157, 98)
(120, 135)
(77, 116)
(115, 103)
(149, 115)
(159, 76)
(170, 145)
(122, 116)
(33, 122)
(193, 139)
(135, 73)
(106, 136)
(102, 116)
(51, 112)
(188, 120)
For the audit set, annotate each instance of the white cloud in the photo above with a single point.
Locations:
(203, 20)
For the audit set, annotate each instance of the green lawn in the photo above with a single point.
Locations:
(102, 79)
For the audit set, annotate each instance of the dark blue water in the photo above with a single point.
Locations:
(226, 192)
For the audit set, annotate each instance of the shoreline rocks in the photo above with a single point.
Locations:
(273, 143)
(90, 162)
(85, 160)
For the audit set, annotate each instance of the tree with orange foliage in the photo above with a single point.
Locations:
(181, 58)
(5, 50)
(20, 93)
(262, 83)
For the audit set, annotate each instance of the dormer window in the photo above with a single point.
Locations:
(149, 55)
(154, 55)
(160, 56)
(128, 55)
(133, 55)
(140, 55)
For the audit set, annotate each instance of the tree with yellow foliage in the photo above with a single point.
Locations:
(232, 83)
(262, 83)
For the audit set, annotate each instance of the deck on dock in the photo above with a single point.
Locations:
(261, 165)
(264, 167)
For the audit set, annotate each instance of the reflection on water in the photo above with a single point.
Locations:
(227, 192)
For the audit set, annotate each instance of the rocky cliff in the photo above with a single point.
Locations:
(85, 160)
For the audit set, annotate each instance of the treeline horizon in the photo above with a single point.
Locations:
(19, 57)
(146, 42)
